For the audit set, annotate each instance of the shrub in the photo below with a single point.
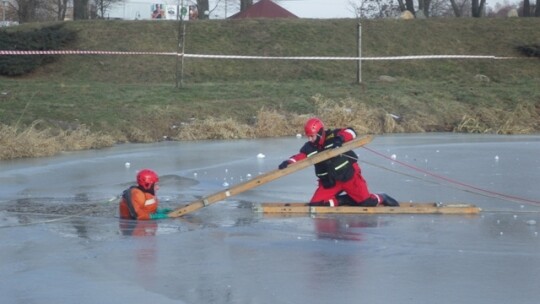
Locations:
(47, 38)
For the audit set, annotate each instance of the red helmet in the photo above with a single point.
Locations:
(146, 178)
(313, 127)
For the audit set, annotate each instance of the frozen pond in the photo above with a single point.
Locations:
(62, 242)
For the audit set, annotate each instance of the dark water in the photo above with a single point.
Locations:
(61, 241)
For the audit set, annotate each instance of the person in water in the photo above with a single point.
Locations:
(140, 202)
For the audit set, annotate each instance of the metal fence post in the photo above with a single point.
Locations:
(359, 55)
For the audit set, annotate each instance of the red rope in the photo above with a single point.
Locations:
(452, 180)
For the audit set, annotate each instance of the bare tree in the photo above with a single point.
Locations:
(500, 9)
(39, 10)
(373, 9)
(441, 8)
(424, 6)
(102, 6)
(409, 4)
(401, 5)
(225, 8)
(460, 7)
(245, 4)
(526, 8)
(429, 8)
(26, 10)
(455, 7)
(203, 7)
(477, 8)
(80, 9)
(60, 9)
(361, 9)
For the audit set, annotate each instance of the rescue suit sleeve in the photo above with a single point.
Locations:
(347, 134)
(139, 199)
(297, 157)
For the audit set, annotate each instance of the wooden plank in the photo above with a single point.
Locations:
(404, 208)
(267, 177)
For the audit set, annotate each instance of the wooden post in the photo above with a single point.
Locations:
(359, 55)
(180, 48)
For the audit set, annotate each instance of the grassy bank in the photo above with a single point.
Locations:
(134, 98)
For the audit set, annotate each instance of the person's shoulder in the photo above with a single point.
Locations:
(308, 143)
(345, 129)
(308, 147)
(333, 131)
(135, 191)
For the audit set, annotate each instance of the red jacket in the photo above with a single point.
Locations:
(336, 168)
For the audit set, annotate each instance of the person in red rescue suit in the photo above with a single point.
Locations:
(140, 202)
(340, 178)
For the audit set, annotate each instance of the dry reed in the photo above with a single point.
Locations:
(36, 140)
(213, 128)
(523, 119)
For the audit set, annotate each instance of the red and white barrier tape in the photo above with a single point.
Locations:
(78, 52)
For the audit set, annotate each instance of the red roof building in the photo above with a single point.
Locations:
(264, 9)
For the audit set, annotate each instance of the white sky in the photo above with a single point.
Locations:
(318, 8)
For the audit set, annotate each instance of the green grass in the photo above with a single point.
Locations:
(115, 94)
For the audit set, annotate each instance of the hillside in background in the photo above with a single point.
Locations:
(236, 98)
(497, 37)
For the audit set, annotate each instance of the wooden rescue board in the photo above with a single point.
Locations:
(404, 208)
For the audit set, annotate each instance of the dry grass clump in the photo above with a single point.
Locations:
(335, 114)
(37, 142)
(30, 142)
(153, 124)
(83, 139)
(271, 123)
(351, 113)
(137, 135)
(471, 124)
(213, 128)
(522, 120)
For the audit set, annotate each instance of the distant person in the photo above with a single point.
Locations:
(140, 202)
(193, 12)
(158, 12)
(340, 178)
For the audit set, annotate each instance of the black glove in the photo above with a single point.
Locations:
(338, 141)
(283, 165)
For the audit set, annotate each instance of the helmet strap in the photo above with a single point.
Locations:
(320, 137)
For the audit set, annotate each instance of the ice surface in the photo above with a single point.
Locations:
(61, 240)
